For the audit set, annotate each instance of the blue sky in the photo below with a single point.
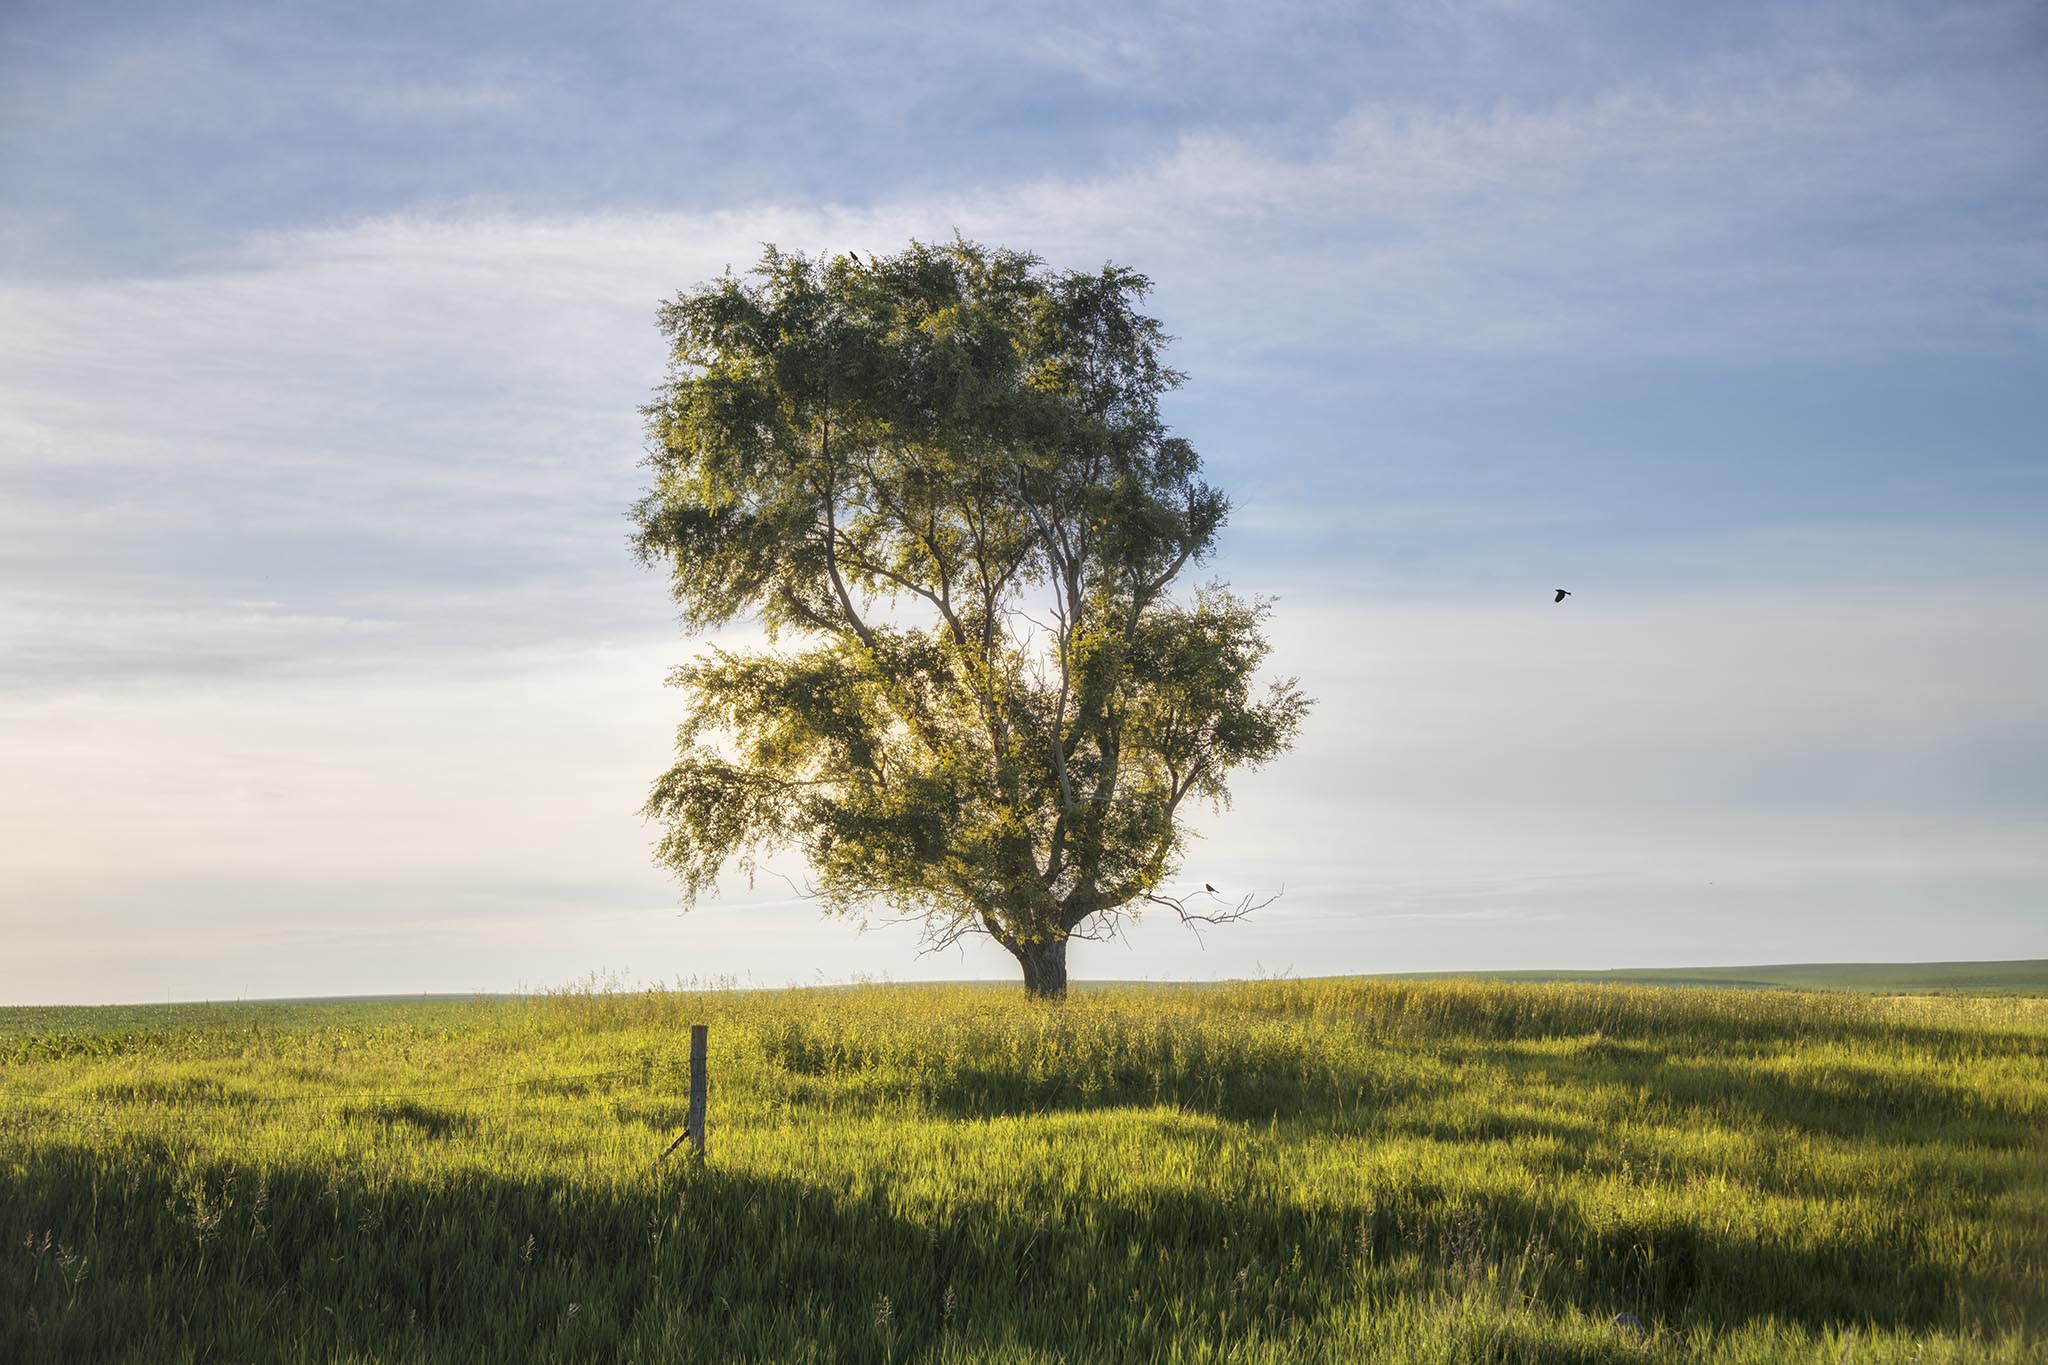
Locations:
(324, 668)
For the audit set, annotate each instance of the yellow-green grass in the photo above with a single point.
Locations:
(1276, 1171)
(2028, 976)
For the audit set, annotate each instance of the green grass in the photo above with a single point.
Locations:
(1273, 1171)
(2027, 977)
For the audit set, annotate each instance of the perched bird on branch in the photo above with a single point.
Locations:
(1561, 595)
(1208, 888)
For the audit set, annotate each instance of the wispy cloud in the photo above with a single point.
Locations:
(461, 386)
(1746, 213)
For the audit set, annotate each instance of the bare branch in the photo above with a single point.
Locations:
(806, 892)
(1228, 913)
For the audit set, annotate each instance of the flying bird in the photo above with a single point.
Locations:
(1561, 595)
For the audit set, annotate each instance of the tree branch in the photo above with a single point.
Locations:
(1228, 913)
(860, 628)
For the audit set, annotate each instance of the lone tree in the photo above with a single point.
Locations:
(941, 483)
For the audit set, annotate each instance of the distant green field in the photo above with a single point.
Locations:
(2029, 977)
(1279, 1171)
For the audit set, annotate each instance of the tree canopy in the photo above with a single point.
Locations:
(941, 481)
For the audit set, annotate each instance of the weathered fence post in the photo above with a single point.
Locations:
(694, 1125)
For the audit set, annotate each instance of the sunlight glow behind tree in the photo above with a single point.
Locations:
(942, 477)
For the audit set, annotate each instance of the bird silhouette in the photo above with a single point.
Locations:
(1561, 595)
(1208, 888)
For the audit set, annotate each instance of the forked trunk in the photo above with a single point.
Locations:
(1045, 968)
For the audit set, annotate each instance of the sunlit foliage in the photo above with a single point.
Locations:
(941, 480)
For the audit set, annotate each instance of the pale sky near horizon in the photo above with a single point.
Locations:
(324, 667)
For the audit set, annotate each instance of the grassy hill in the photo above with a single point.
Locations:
(1273, 1171)
(2028, 977)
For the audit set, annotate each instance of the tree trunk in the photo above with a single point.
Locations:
(1045, 968)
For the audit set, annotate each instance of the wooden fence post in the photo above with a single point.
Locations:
(694, 1125)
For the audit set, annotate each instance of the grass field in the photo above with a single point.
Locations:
(1274, 1171)
(2020, 977)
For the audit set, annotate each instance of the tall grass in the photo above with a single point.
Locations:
(1279, 1171)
